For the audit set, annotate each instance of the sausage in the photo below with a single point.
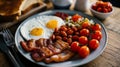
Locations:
(28, 46)
(30, 43)
(24, 46)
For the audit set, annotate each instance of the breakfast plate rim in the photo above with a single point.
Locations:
(99, 51)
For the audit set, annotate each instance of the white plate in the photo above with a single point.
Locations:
(73, 62)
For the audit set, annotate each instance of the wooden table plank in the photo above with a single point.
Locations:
(3, 61)
(110, 56)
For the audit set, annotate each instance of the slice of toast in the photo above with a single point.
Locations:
(11, 10)
(10, 7)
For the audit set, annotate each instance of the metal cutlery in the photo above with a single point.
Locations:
(5, 49)
(9, 40)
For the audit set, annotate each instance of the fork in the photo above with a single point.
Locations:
(9, 39)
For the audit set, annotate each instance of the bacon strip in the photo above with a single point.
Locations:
(65, 55)
(43, 48)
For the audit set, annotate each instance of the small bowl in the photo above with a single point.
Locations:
(100, 15)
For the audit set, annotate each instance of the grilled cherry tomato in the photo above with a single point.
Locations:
(93, 44)
(96, 35)
(74, 46)
(96, 27)
(99, 9)
(85, 25)
(84, 32)
(83, 51)
(76, 17)
(101, 6)
(83, 40)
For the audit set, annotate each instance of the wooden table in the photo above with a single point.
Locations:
(110, 56)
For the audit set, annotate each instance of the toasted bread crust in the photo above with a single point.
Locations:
(14, 9)
(10, 7)
(9, 18)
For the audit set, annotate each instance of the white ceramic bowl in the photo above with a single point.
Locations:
(100, 15)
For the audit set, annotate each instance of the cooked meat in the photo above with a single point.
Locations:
(43, 48)
(49, 41)
(46, 51)
(40, 42)
(41, 53)
(37, 55)
(65, 55)
(29, 45)
(54, 49)
(45, 42)
(58, 46)
(61, 44)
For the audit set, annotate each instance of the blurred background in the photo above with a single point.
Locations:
(114, 2)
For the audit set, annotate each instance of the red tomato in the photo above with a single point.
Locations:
(85, 25)
(105, 10)
(97, 35)
(76, 17)
(109, 5)
(101, 6)
(84, 51)
(99, 3)
(83, 40)
(94, 6)
(93, 44)
(84, 32)
(99, 9)
(96, 27)
(109, 9)
(74, 46)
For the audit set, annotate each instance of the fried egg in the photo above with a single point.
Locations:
(37, 31)
(40, 27)
(53, 21)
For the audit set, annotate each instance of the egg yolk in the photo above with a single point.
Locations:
(36, 31)
(52, 24)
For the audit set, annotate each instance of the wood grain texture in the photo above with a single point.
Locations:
(3, 61)
(113, 22)
(111, 54)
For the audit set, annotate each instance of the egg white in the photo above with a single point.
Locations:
(39, 22)
(44, 19)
